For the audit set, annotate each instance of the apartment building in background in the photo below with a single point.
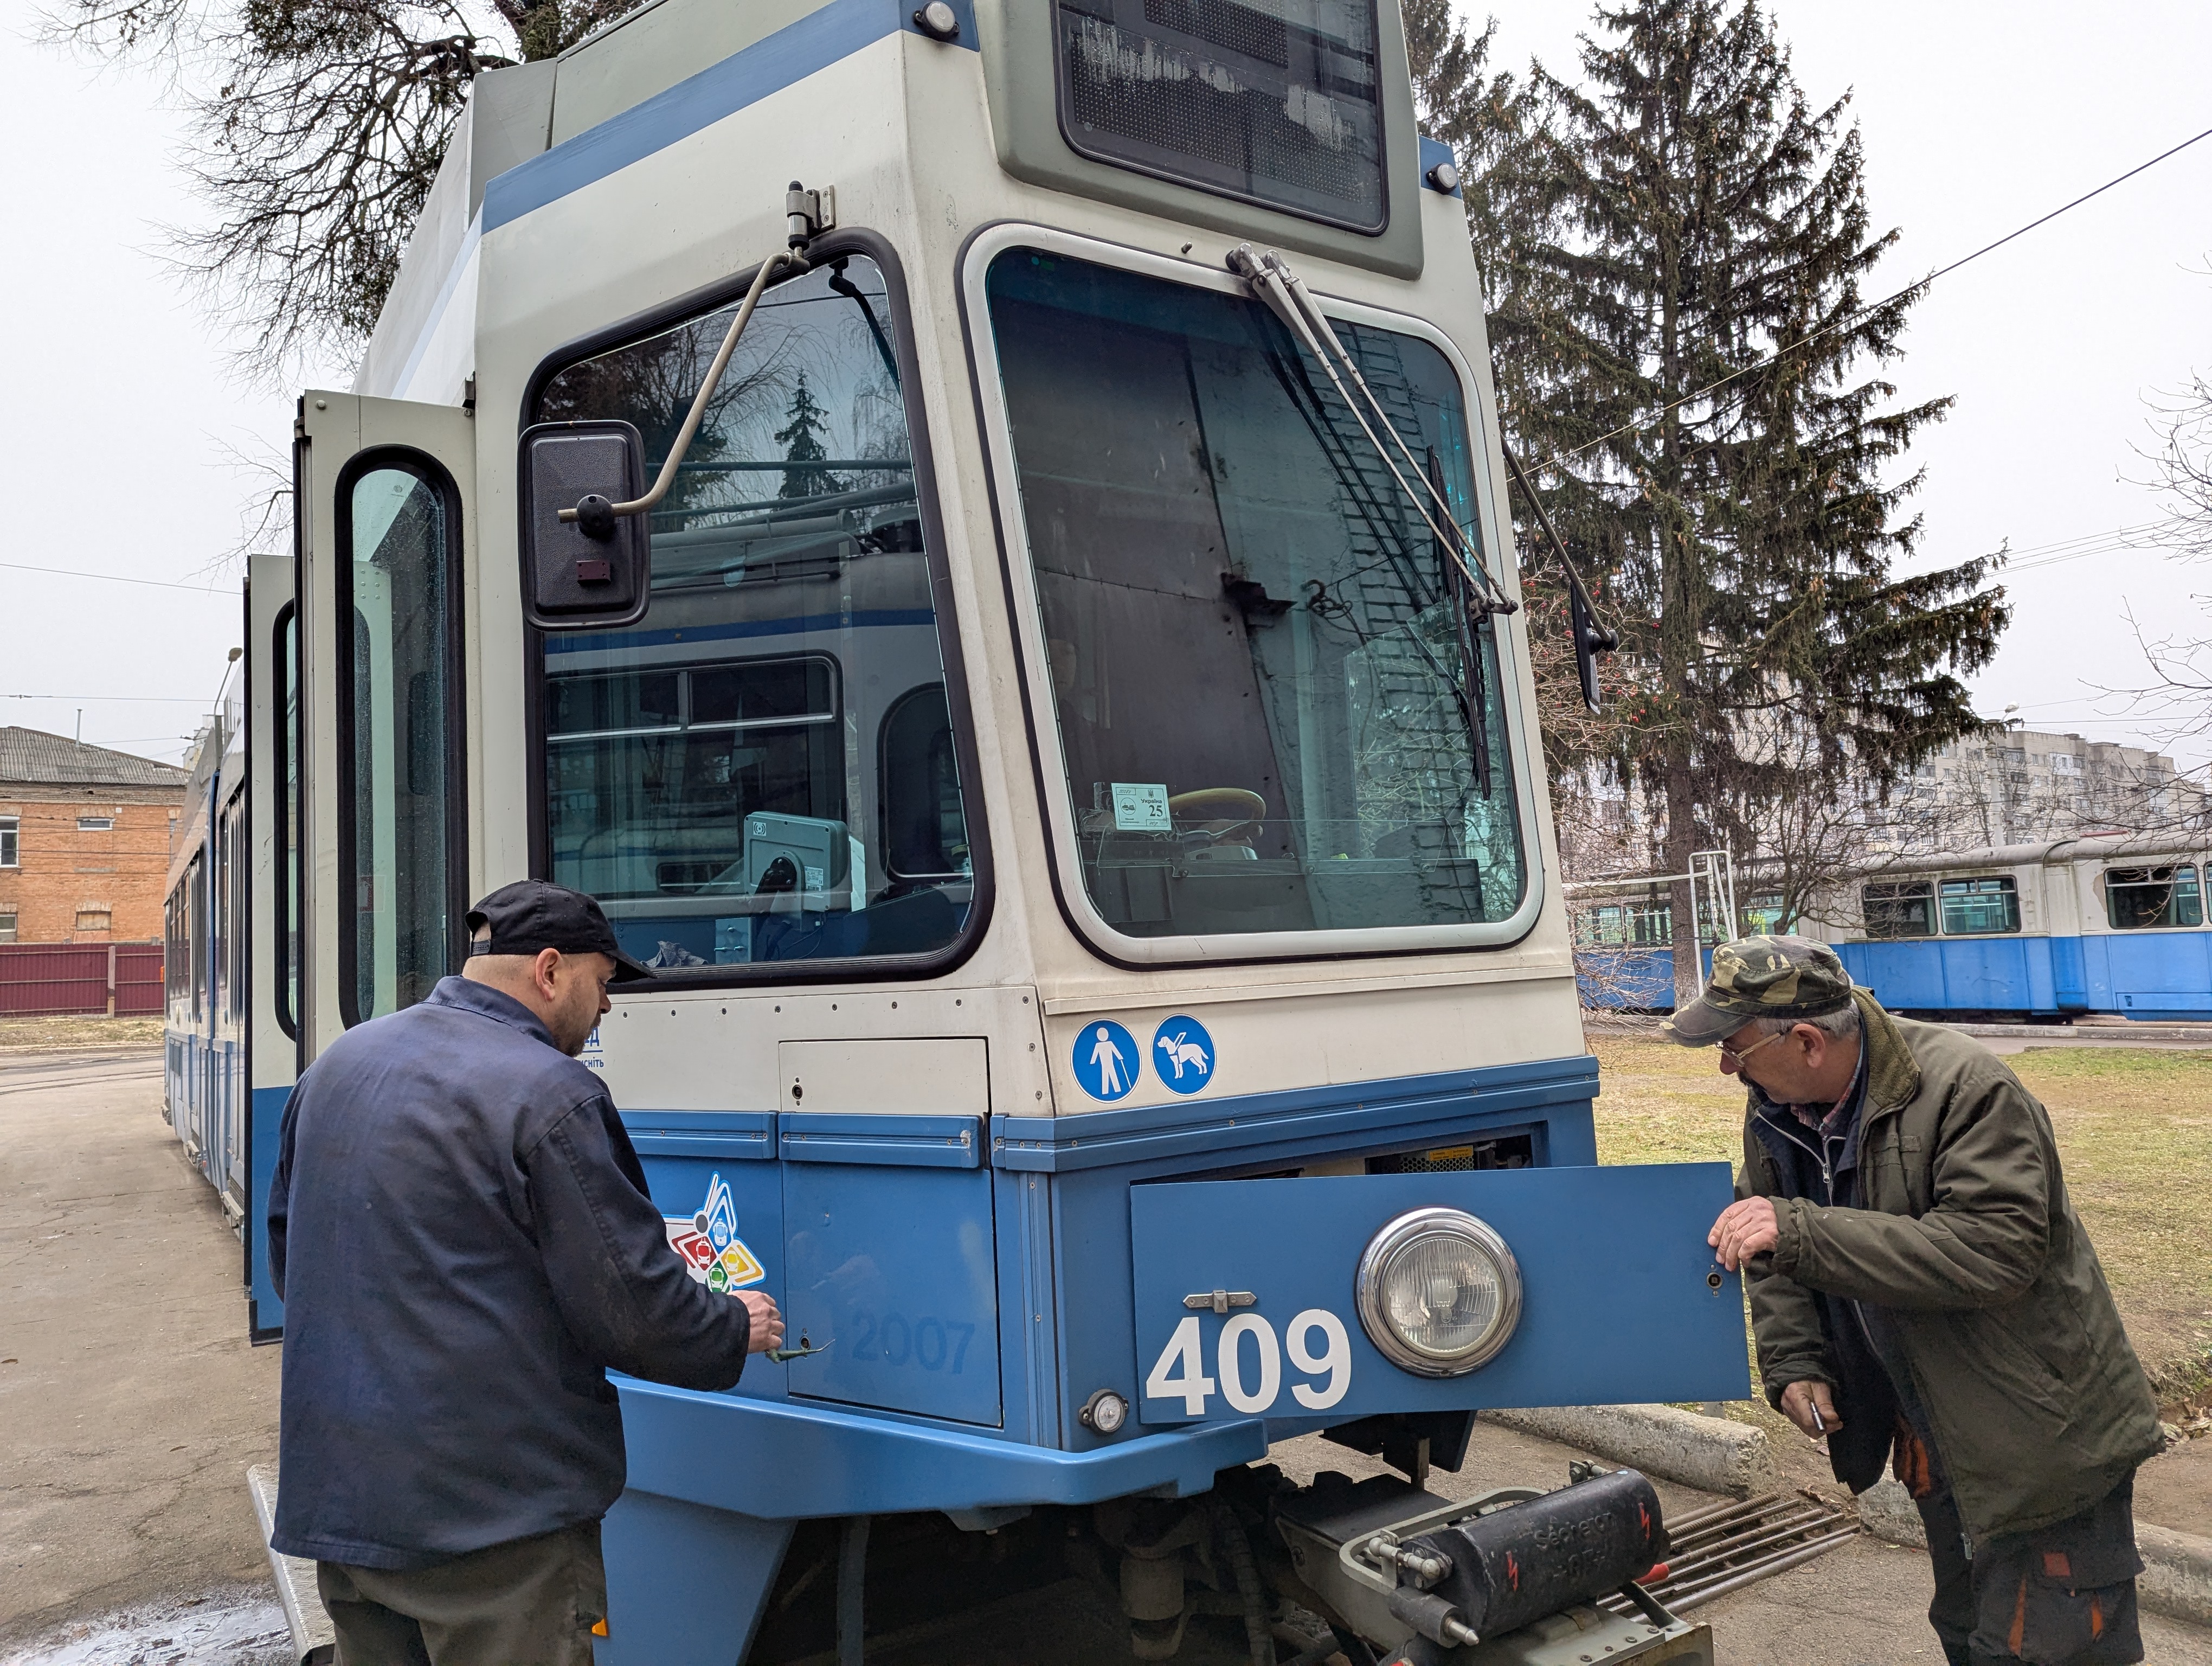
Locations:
(85, 840)
(2025, 786)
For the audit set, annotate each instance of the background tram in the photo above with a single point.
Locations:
(204, 958)
(2072, 926)
(2113, 925)
(1056, 746)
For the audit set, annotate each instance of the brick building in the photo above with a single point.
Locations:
(85, 839)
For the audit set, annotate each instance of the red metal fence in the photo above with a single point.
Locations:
(44, 979)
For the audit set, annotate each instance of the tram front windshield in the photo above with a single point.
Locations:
(763, 769)
(1277, 711)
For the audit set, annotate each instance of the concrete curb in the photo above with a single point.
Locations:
(1712, 1454)
(2177, 1576)
(2175, 1580)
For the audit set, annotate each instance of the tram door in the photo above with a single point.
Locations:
(271, 922)
(383, 489)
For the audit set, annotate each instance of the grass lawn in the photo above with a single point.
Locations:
(22, 1035)
(2134, 1132)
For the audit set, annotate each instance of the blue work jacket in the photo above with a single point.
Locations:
(460, 1228)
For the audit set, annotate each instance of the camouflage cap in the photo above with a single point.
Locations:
(1762, 977)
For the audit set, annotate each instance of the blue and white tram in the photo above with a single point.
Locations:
(2113, 925)
(1079, 798)
(203, 958)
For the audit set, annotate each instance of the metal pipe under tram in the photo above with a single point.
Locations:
(1021, 631)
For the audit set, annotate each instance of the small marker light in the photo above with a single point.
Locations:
(1105, 1412)
(1445, 177)
(938, 20)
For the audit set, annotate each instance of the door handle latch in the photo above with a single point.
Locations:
(1221, 1300)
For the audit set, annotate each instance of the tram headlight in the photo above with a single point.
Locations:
(1439, 1292)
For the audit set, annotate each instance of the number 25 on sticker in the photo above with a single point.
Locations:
(1180, 1371)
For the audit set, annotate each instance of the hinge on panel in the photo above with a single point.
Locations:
(468, 396)
(810, 212)
(1221, 1300)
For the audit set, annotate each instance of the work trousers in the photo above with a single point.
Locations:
(2061, 1595)
(528, 1603)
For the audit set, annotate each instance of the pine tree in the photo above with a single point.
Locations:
(1477, 113)
(800, 440)
(1689, 214)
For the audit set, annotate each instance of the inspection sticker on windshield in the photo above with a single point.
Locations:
(1140, 807)
(709, 1244)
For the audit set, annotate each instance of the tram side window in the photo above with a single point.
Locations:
(2145, 898)
(1273, 706)
(1899, 909)
(1980, 908)
(400, 917)
(761, 768)
(234, 909)
(1625, 925)
(195, 946)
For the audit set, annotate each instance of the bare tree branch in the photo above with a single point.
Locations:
(317, 129)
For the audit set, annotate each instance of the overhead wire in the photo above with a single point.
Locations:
(121, 699)
(1783, 352)
(119, 578)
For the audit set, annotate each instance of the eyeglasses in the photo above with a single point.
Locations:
(1737, 1059)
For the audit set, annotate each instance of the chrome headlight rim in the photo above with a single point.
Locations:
(1384, 1248)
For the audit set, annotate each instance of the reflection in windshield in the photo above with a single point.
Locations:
(762, 769)
(1269, 685)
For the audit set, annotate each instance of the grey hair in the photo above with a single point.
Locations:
(1843, 1021)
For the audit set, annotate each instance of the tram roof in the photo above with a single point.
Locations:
(2094, 848)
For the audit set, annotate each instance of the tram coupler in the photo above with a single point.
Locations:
(1507, 1578)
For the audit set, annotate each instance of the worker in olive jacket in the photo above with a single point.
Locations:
(1922, 1290)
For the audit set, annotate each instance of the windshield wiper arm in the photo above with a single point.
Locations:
(1285, 295)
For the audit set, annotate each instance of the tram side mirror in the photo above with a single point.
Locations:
(595, 569)
(1591, 639)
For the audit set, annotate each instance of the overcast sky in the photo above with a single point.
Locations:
(122, 420)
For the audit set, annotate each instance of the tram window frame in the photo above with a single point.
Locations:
(237, 910)
(285, 817)
(1998, 885)
(668, 315)
(433, 474)
(2184, 895)
(1897, 892)
(1048, 754)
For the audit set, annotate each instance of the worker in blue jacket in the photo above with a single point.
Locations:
(460, 1231)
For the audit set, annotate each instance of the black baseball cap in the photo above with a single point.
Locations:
(532, 914)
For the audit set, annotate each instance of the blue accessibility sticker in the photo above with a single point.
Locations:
(1183, 1054)
(1106, 1060)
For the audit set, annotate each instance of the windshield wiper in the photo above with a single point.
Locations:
(1286, 296)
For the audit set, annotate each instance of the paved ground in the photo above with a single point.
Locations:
(130, 1406)
(129, 1401)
